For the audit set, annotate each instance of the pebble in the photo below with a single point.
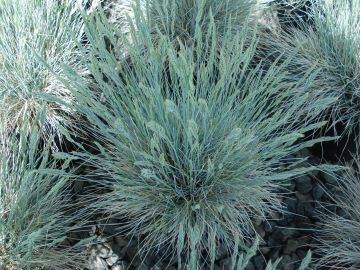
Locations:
(303, 184)
(286, 233)
(225, 263)
(291, 204)
(310, 211)
(103, 252)
(221, 252)
(269, 226)
(317, 192)
(112, 259)
(287, 263)
(118, 267)
(250, 266)
(97, 264)
(259, 262)
(265, 250)
(143, 267)
(291, 246)
(330, 179)
(120, 241)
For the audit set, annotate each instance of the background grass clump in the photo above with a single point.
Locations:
(35, 207)
(33, 32)
(179, 19)
(192, 146)
(338, 237)
(328, 40)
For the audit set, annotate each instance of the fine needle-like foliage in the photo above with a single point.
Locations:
(34, 208)
(177, 18)
(331, 43)
(193, 144)
(339, 234)
(33, 32)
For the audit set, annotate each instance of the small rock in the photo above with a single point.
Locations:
(118, 267)
(136, 261)
(221, 252)
(121, 241)
(330, 179)
(225, 263)
(97, 264)
(145, 267)
(310, 211)
(265, 250)
(103, 252)
(93, 251)
(78, 186)
(277, 238)
(259, 262)
(112, 259)
(111, 227)
(301, 253)
(287, 263)
(119, 251)
(286, 233)
(291, 246)
(274, 255)
(257, 222)
(261, 233)
(271, 242)
(275, 215)
(269, 226)
(158, 266)
(291, 204)
(300, 211)
(317, 192)
(304, 184)
(302, 198)
(250, 266)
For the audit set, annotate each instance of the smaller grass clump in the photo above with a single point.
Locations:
(330, 43)
(35, 208)
(33, 33)
(192, 146)
(339, 234)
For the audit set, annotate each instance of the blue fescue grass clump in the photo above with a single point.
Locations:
(193, 143)
(29, 31)
(330, 43)
(36, 212)
(339, 233)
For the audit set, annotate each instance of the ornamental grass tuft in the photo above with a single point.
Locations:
(330, 43)
(339, 233)
(193, 141)
(36, 211)
(33, 33)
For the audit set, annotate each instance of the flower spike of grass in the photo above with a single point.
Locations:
(192, 147)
